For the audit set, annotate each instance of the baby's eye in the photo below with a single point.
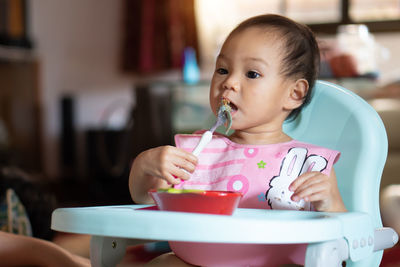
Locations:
(252, 74)
(221, 71)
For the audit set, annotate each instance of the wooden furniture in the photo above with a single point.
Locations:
(20, 112)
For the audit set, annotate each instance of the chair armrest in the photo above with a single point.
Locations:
(358, 230)
(385, 237)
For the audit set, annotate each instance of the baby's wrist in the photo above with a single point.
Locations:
(337, 206)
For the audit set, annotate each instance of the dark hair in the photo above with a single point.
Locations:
(302, 58)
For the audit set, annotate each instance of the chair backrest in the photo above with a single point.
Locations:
(338, 119)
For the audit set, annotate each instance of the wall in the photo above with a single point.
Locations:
(78, 44)
(390, 68)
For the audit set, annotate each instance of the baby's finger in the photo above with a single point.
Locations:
(170, 173)
(318, 196)
(186, 155)
(186, 165)
(305, 193)
(300, 180)
(183, 174)
(314, 179)
(171, 179)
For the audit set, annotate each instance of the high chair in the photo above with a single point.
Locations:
(336, 118)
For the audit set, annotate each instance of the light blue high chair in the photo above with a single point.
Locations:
(336, 118)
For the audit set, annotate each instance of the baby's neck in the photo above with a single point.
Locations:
(259, 138)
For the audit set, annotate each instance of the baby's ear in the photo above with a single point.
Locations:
(297, 92)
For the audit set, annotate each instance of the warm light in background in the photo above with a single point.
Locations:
(313, 11)
(215, 19)
(362, 10)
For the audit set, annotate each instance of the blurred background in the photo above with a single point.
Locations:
(86, 85)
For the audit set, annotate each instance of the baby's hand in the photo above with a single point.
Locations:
(168, 163)
(319, 189)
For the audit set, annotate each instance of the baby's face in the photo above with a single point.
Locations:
(247, 74)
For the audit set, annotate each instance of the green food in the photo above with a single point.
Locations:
(179, 191)
(226, 108)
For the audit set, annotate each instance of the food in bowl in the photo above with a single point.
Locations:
(198, 201)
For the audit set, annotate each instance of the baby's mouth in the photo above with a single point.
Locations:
(229, 105)
(227, 109)
(233, 107)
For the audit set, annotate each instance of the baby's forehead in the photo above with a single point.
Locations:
(256, 37)
(255, 44)
(267, 34)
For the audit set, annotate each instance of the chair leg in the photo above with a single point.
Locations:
(106, 251)
(109, 251)
(327, 254)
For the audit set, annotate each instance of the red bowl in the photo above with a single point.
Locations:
(198, 201)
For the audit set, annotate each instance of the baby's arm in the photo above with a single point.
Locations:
(157, 168)
(18, 250)
(319, 189)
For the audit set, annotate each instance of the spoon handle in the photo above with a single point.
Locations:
(205, 139)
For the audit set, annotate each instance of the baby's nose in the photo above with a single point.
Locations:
(231, 84)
